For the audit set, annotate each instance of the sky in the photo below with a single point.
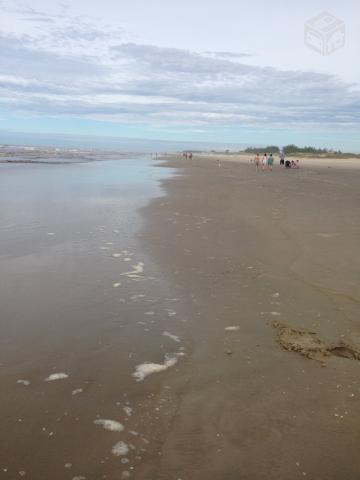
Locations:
(228, 71)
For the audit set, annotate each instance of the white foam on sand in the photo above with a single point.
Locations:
(232, 328)
(77, 391)
(145, 369)
(116, 285)
(116, 255)
(56, 376)
(128, 411)
(171, 313)
(137, 297)
(120, 449)
(173, 337)
(23, 382)
(110, 425)
(137, 270)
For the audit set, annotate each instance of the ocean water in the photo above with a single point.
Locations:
(61, 200)
(76, 290)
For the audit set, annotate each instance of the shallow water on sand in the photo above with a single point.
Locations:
(81, 307)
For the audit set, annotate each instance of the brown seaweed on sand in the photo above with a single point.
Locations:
(310, 346)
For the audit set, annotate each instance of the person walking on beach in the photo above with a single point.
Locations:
(264, 162)
(282, 159)
(257, 161)
(270, 162)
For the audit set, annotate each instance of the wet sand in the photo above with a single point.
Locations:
(82, 305)
(93, 291)
(245, 249)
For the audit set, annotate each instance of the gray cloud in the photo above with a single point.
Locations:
(76, 68)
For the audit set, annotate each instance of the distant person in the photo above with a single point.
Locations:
(190, 156)
(282, 159)
(297, 164)
(287, 164)
(257, 161)
(264, 162)
(270, 162)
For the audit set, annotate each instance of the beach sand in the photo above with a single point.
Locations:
(246, 249)
(215, 338)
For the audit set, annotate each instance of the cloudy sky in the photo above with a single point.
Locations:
(208, 70)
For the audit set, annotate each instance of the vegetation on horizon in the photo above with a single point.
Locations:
(295, 150)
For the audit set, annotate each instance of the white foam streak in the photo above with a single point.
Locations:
(26, 383)
(77, 391)
(173, 337)
(110, 425)
(145, 369)
(56, 376)
(120, 449)
(137, 269)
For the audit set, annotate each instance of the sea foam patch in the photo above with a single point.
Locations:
(137, 270)
(26, 383)
(77, 391)
(173, 337)
(56, 376)
(274, 314)
(120, 449)
(128, 411)
(233, 328)
(145, 369)
(110, 425)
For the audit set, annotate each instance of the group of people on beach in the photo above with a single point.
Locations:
(267, 162)
(188, 155)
